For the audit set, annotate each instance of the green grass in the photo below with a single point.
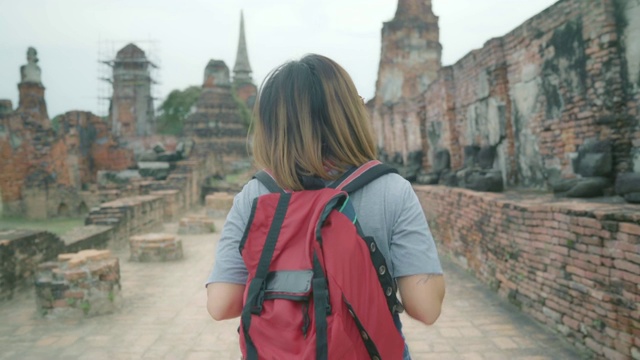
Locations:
(56, 226)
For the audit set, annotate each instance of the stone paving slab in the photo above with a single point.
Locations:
(163, 316)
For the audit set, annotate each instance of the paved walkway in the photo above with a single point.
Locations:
(163, 316)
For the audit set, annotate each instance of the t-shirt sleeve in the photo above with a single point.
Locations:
(412, 248)
(228, 266)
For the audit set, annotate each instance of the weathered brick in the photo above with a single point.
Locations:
(629, 228)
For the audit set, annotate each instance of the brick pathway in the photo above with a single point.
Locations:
(163, 316)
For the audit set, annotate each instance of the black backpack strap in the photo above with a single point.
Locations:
(257, 286)
(357, 177)
(268, 181)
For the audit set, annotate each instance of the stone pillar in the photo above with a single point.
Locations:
(31, 90)
(155, 247)
(195, 225)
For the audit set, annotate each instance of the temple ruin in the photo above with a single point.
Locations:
(131, 111)
(219, 126)
(44, 167)
(409, 62)
(526, 157)
(552, 105)
(117, 173)
(525, 152)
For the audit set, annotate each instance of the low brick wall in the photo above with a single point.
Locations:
(129, 216)
(20, 253)
(173, 202)
(572, 265)
(87, 237)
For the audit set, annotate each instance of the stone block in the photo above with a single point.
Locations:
(589, 187)
(442, 161)
(563, 185)
(471, 155)
(155, 247)
(491, 182)
(159, 148)
(633, 198)
(218, 204)
(486, 157)
(79, 284)
(627, 183)
(428, 179)
(449, 178)
(596, 165)
(170, 157)
(195, 225)
(156, 170)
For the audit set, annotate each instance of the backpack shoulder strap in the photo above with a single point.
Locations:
(351, 181)
(268, 181)
(356, 178)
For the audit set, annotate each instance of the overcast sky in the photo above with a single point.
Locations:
(72, 35)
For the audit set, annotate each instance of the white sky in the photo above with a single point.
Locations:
(183, 35)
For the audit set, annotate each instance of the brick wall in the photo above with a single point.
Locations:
(565, 78)
(627, 16)
(110, 225)
(87, 237)
(572, 265)
(129, 216)
(20, 253)
(43, 170)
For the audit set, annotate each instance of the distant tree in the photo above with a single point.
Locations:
(243, 109)
(175, 109)
(55, 122)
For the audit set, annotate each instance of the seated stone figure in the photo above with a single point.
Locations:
(30, 73)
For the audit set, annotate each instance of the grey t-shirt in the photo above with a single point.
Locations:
(388, 209)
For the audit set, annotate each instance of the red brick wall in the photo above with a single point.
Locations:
(572, 265)
(563, 78)
(439, 130)
(69, 158)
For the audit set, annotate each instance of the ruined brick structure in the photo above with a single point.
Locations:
(216, 126)
(43, 167)
(131, 111)
(552, 105)
(219, 124)
(555, 99)
(409, 61)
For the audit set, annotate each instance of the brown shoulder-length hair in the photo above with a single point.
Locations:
(310, 121)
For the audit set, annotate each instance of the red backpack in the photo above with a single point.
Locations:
(317, 287)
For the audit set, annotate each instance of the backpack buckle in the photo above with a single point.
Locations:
(259, 286)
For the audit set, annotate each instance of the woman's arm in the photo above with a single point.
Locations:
(224, 300)
(422, 296)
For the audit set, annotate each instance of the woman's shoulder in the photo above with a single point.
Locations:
(393, 184)
(250, 191)
(386, 192)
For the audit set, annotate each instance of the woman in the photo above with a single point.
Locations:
(311, 122)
